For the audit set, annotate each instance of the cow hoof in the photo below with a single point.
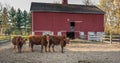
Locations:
(32, 51)
(19, 52)
(54, 51)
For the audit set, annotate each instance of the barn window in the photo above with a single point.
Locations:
(72, 26)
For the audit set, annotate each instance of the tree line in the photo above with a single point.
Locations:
(112, 16)
(16, 22)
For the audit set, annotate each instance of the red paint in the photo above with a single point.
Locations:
(65, 2)
(77, 34)
(51, 21)
(64, 33)
(38, 33)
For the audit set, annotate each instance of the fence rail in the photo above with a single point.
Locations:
(4, 39)
(115, 38)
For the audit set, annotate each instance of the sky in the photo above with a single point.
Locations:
(25, 4)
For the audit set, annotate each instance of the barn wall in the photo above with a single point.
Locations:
(51, 21)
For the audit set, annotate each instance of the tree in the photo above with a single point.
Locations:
(5, 22)
(87, 2)
(29, 23)
(0, 7)
(117, 14)
(112, 20)
(112, 15)
(0, 19)
(25, 20)
(12, 16)
(19, 21)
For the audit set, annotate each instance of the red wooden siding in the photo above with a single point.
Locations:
(51, 21)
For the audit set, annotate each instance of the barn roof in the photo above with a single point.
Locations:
(70, 8)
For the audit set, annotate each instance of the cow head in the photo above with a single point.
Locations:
(23, 40)
(67, 40)
(47, 38)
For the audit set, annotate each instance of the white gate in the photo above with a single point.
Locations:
(81, 34)
(48, 32)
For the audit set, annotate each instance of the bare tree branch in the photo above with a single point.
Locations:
(0, 7)
(87, 2)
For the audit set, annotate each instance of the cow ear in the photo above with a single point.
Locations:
(25, 39)
(21, 39)
(64, 39)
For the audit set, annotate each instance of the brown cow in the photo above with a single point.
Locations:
(58, 40)
(18, 42)
(38, 40)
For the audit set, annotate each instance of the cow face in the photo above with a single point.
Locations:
(47, 38)
(67, 40)
(23, 40)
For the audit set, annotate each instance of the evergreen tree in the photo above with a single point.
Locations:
(25, 20)
(19, 22)
(12, 16)
(29, 24)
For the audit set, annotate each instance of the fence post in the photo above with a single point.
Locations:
(102, 38)
(111, 38)
(10, 37)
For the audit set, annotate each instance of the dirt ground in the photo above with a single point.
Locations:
(93, 52)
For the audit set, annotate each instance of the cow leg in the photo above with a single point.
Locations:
(18, 48)
(62, 49)
(49, 48)
(45, 48)
(32, 47)
(53, 48)
(41, 49)
(15, 48)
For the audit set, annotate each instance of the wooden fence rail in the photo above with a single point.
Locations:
(114, 38)
(4, 39)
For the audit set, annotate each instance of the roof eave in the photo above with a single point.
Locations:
(67, 12)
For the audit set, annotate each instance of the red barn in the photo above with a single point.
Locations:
(74, 21)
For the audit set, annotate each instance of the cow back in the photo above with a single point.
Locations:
(35, 39)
